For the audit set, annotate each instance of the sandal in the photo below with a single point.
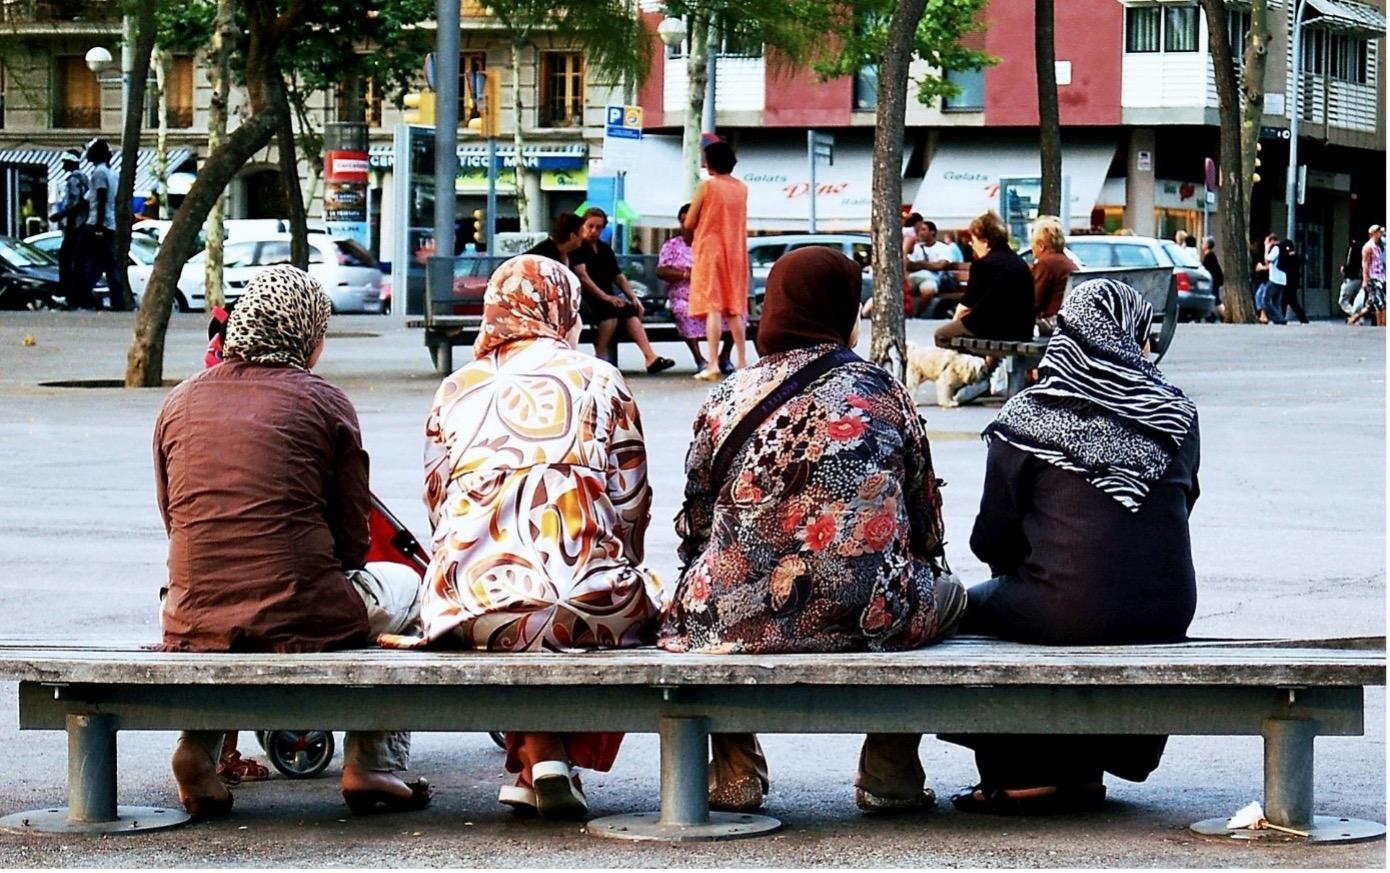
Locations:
(365, 802)
(658, 364)
(880, 805)
(708, 376)
(234, 769)
(990, 799)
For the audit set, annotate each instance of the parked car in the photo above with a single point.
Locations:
(346, 271)
(1195, 298)
(143, 249)
(763, 252)
(28, 277)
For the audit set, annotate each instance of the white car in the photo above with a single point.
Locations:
(348, 272)
(142, 253)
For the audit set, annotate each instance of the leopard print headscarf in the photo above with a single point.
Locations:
(280, 318)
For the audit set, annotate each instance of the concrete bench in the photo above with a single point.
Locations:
(1286, 691)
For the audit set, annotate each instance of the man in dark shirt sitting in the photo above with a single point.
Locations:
(564, 239)
(598, 271)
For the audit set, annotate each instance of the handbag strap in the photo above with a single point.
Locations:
(779, 396)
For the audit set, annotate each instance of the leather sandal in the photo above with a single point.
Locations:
(234, 769)
(208, 808)
(372, 800)
(990, 799)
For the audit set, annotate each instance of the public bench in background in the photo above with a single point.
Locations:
(1287, 691)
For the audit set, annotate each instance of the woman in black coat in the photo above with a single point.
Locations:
(1091, 475)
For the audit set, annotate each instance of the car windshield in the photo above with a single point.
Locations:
(21, 254)
(1181, 255)
(143, 249)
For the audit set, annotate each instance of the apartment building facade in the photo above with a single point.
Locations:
(1139, 118)
(50, 101)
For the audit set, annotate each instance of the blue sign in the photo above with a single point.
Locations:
(623, 133)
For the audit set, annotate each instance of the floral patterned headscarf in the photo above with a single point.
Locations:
(528, 297)
(280, 318)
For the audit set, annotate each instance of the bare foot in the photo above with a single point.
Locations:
(196, 773)
(359, 778)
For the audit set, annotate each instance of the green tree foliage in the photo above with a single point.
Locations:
(611, 36)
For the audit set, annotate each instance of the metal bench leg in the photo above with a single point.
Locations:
(443, 354)
(684, 815)
(1288, 794)
(92, 805)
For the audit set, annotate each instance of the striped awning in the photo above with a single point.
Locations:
(53, 159)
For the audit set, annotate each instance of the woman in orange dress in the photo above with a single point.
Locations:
(719, 277)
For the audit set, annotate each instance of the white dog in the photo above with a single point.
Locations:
(950, 370)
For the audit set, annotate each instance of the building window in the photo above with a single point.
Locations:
(1346, 56)
(866, 89)
(1237, 32)
(79, 94)
(562, 89)
(971, 96)
(367, 97)
(2, 96)
(1180, 29)
(469, 63)
(180, 85)
(731, 45)
(1141, 29)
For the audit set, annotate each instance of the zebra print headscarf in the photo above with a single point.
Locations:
(1101, 409)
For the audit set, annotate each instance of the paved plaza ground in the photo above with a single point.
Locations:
(1288, 540)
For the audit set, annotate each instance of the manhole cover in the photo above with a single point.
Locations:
(97, 383)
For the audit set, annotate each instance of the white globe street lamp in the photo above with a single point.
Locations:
(672, 31)
(98, 59)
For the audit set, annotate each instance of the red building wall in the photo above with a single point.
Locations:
(796, 98)
(1089, 33)
(650, 95)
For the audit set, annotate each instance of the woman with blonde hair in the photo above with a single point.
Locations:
(1051, 269)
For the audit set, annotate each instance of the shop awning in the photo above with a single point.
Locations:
(53, 160)
(778, 180)
(1356, 19)
(962, 180)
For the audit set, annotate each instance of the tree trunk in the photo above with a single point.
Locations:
(697, 72)
(888, 331)
(145, 359)
(163, 63)
(518, 142)
(220, 54)
(1232, 199)
(130, 134)
(1253, 90)
(289, 177)
(1049, 116)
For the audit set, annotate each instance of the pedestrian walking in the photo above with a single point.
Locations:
(719, 277)
(1373, 277)
(1292, 262)
(100, 247)
(1212, 264)
(1269, 299)
(71, 218)
(1351, 277)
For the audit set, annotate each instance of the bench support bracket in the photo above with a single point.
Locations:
(1288, 800)
(92, 807)
(684, 815)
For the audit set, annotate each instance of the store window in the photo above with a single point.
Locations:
(78, 103)
(1180, 29)
(562, 89)
(1142, 24)
(971, 94)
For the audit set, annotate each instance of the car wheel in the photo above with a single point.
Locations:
(180, 304)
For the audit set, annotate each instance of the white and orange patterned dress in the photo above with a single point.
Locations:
(536, 485)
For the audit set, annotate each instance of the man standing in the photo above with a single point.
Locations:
(1212, 264)
(1372, 278)
(1270, 299)
(101, 230)
(929, 267)
(71, 218)
(1292, 263)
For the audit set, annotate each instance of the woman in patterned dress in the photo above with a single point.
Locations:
(674, 265)
(826, 535)
(536, 485)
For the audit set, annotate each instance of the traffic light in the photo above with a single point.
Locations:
(489, 105)
(1255, 176)
(480, 227)
(421, 104)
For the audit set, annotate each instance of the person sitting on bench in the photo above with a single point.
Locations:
(1090, 478)
(536, 485)
(1051, 270)
(998, 301)
(262, 483)
(812, 520)
(598, 271)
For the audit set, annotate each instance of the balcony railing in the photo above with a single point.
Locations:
(58, 11)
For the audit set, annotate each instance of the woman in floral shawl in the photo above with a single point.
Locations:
(536, 485)
(826, 533)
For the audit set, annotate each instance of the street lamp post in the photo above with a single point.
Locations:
(1295, 113)
(98, 59)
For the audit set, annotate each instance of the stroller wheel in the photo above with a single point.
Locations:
(298, 754)
(499, 738)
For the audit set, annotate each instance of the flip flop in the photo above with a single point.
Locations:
(990, 799)
(368, 801)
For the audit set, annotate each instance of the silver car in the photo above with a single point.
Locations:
(1195, 297)
(763, 252)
